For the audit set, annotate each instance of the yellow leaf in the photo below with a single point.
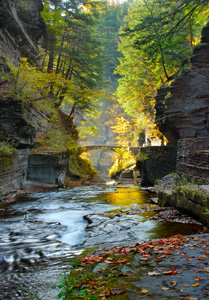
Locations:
(144, 291)
(195, 284)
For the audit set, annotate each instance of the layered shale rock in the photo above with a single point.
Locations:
(183, 107)
(18, 126)
(182, 113)
(21, 27)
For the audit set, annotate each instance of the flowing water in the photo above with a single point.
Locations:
(42, 232)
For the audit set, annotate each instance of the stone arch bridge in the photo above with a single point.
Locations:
(134, 150)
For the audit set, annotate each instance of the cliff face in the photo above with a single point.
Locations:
(18, 126)
(183, 108)
(182, 114)
(21, 27)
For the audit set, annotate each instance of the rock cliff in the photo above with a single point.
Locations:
(183, 107)
(182, 114)
(21, 27)
(18, 126)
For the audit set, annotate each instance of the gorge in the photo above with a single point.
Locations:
(154, 115)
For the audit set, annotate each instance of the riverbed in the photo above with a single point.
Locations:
(41, 233)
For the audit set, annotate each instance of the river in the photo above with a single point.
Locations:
(42, 232)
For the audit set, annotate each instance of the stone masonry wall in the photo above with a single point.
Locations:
(156, 163)
(193, 159)
(48, 168)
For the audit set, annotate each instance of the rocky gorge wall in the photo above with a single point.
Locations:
(183, 116)
(182, 113)
(18, 126)
(21, 27)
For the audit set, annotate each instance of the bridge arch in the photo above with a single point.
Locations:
(134, 150)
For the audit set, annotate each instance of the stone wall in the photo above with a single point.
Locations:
(155, 162)
(48, 168)
(190, 199)
(193, 159)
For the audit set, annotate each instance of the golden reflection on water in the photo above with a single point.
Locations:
(125, 197)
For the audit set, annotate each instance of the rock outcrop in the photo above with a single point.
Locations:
(182, 109)
(21, 27)
(18, 126)
(182, 113)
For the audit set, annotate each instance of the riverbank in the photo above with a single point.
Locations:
(185, 195)
(171, 268)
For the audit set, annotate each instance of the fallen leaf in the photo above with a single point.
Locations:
(109, 260)
(203, 241)
(191, 298)
(124, 274)
(158, 260)
(144, 291)
(143, 258)
(201, 257)
(186, 285)
(204, 270)
(153, 273)
(195, 284)
(122, 260)
(171, 272)
(165, 288)
(197, 278)
(117, 291)
(174, 283)
(207, 253)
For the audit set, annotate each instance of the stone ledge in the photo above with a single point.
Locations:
(190, 199)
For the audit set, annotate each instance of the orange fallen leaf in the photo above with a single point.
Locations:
(197, 278)
(186, 285)
(203, 241)
(204, 270)
(201, 257)
(144, 291)
(174, 283)
(207, 253)
(165, 288)
(171, 272)
(122, 260)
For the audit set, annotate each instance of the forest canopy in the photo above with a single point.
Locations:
(156, 41)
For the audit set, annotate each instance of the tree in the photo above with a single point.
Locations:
(155, 42)
(74, 52)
